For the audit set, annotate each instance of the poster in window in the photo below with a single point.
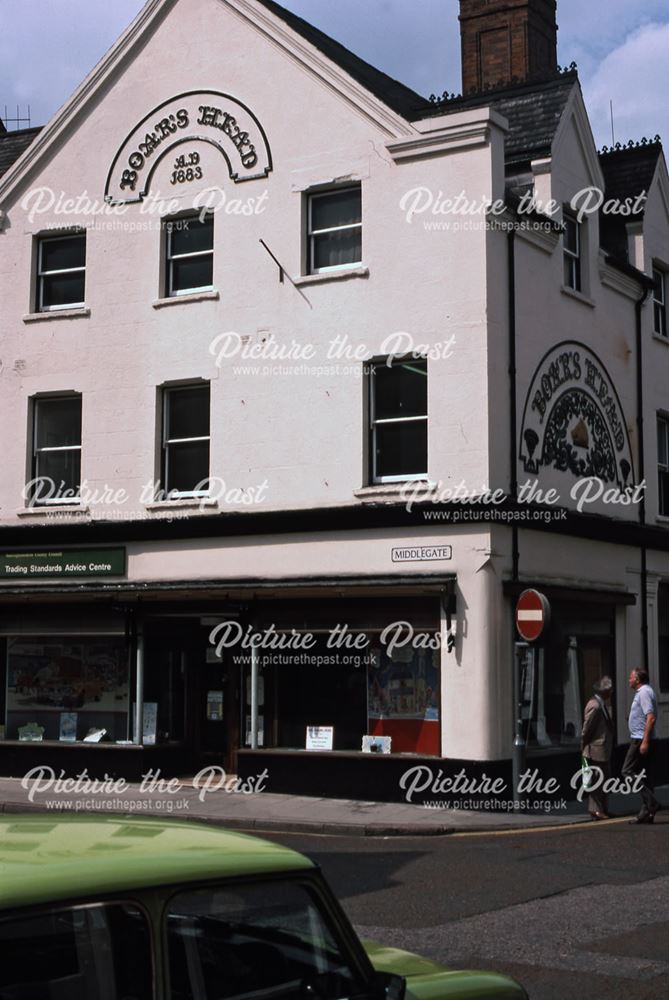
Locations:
(31, 733)
(67, 675)
(319, 738)
(215, 706)
(150, 723)
(404, 686)
(377, 744)
(68, 727)
(261, 731)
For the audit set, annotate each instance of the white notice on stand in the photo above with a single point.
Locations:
(320, 737)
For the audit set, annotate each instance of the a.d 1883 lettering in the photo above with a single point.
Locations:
(186, 169)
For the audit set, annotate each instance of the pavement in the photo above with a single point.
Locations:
(186, 798)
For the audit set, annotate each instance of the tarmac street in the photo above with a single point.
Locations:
(578, 911)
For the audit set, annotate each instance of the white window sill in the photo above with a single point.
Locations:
(660, 338)
(325, 276)
(56, 314)
(48, 510)
(662, 518)
(174, 300)
(388, 492)
(185, 503)
(579, 296)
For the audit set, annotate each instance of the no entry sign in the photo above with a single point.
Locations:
(533, 613)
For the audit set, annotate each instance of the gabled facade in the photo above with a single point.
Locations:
(253, 362)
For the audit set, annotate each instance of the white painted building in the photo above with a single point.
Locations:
(221, 416)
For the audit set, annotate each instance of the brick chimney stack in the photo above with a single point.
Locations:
(506, 41)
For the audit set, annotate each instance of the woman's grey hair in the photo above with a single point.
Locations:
(603, 685)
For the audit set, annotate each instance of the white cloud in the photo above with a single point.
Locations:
(636, 77)
(590, 30)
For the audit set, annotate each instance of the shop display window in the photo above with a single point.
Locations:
(72, 689)
(357, 693)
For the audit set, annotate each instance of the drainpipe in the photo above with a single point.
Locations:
(638, 306)
(518, 759)
(513, 430)
(139, 686)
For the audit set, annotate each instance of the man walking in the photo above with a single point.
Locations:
(597, 744)
(643, 714)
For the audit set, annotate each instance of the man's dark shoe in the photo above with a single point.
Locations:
(648, 818)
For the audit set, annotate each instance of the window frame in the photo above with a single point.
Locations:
(42, 274)
(662, 468)
(34, 463)
(56, 907)
(167, 392)
(660, 304)
(573, 258)
(375, 479)
(170, 257)
(315, 886)
(313, 234)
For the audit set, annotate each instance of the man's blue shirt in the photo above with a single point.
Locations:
(644, 703)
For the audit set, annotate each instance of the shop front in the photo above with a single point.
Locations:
(122, 683)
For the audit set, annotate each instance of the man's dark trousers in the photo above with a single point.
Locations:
(634, 763)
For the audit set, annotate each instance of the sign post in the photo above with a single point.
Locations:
(533, 614)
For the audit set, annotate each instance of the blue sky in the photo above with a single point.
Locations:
(48, 46)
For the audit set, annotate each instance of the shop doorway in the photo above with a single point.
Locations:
(558, 679)
(191, 697)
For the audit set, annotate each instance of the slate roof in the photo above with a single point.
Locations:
(395, 95)
(533, 110)
(628, 172)
(13, 144)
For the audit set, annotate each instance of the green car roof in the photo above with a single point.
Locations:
(48, 858)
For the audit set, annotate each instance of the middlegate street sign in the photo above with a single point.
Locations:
(62, 564)
(422, 553)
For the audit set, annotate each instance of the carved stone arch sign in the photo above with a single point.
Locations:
(573, 420)
(198, 116)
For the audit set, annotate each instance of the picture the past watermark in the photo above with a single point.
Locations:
(84, 793)
(464, 791)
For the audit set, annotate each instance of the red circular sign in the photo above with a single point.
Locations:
(533, 614)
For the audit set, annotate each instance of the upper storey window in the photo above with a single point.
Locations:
(572, 242)
(335, 229)
(190, 254)
(61, 272)
(660, 302)
(398, 420)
